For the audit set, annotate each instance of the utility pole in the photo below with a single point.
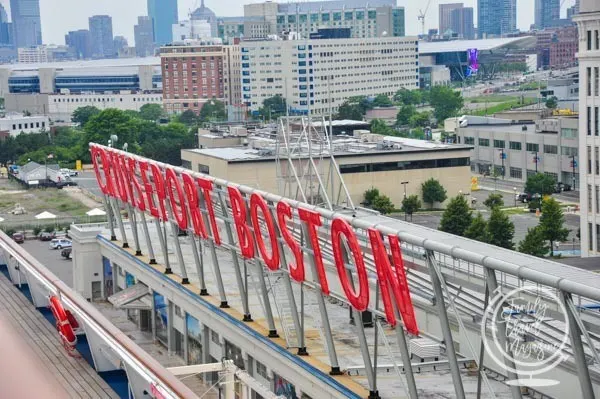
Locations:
(404, 183)
(502, 157)
(536, 159)
(573, 165)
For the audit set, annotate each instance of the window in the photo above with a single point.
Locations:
(597, 237)
(568, 133)
(469, 140)
(589, 159)
(596, 114)
(404, 165)
(325, 17)
(348, 16)
(589, 81)
(589, 193)
(589, 40)
(550, 149)
(516, 173)
(597, 161)
(596, 81)
(261, 370)
(214, 337)
(499, 144)
(484, 142)
(589, 121)
(590, 237)
(597, 199)
(569, 151)
(514, 145)
(532, 147)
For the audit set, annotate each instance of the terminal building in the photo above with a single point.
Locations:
(57, 89)
(518, 149)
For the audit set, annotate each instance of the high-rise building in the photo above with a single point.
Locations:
(5, 28)
(101, 34)
(120, 45)
(144, 38)
(461, 22)
(376, 18)
(547, 13)
(496, 17)
(163, 14)
(194, 74)
(445, 16)
(573, 10)
(204, 13)
(588, 21)
(27, 26)
(80, 40)
(285, 68)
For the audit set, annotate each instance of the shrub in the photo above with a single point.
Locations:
(37, 230)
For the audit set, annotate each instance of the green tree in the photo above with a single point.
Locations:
(500, 229)
(404, 114)
(151, 112)
(478, 229)
(420, 119)
(370, 196)
(379, 127)
(349, 111)
(540, 183)
(214, 110)
(164, 143)
(110, 122)
(446, 102)
(273, 107)
(552, 223)
(534, 243)
(457, 216)
(410, 205)
(83, 114)
(383, 204)
(433, 192)
(552, 102)
(408, 97)
(381, 100)
(188, 118)
(494, 200)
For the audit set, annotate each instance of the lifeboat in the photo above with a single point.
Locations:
(66, 324)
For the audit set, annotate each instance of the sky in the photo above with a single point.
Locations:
(61, 16)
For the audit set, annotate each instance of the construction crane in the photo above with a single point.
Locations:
(421, 17)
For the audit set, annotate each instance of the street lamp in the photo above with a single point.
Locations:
(404, 183)
(515, 190)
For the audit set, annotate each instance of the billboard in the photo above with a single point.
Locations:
(472, 62)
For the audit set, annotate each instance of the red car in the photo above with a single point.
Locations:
(19, 238)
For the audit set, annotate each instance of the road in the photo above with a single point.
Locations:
(61, 267)
(87, 181)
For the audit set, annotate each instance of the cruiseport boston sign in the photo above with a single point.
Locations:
(263, 227)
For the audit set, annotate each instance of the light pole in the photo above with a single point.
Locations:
(502, 158)
(536, 160)
(515, 190)
(404, 183)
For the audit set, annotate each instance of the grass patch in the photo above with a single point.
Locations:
(533, 86)
(492, 98)
(515, 211)
(503, 107)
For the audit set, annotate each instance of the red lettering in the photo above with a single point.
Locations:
(118, 177)
(271, 260)
(97, 153)
(387, 280)
(149, 190)
(160, 189)
(313, 220)
(178, 209)
(359, 300)
(127, 179)
(106, 166)
(138, 199)
(191, 193)
(284, 212)
(238, 209)
(206, 186)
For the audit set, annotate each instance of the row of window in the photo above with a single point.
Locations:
(596, 120)
(28, 125)
(104, 99)
(596, 160)
(326, 17)
(404, 165)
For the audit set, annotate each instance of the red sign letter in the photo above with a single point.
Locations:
(284, 211)
(313, 220)
(160, 189)
(191, 193)
(98, 153)
(257, 202)
(148, 189)
(360, 300)
(206, 186)
(179, 211)
(119, 178)
(138, 200)
(238, 208)
(397, 281)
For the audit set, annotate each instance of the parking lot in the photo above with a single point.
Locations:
(61, 267)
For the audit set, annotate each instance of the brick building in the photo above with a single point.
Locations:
(195, 73)
(564, 47)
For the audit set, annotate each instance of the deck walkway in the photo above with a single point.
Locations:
(75, 375)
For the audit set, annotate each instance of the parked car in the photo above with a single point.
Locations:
(560, 187)
(47, 236)
(66, 253)
(69, 172)
(60, 243)
(19, 238)
(523, 197)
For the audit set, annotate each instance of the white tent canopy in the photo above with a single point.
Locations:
(45, 215)
(95, 212)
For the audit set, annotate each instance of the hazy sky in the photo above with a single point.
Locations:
(60, 16)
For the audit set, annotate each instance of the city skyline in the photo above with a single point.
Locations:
(56, 25)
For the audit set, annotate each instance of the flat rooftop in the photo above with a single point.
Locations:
(82, 64)
(458, 46)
